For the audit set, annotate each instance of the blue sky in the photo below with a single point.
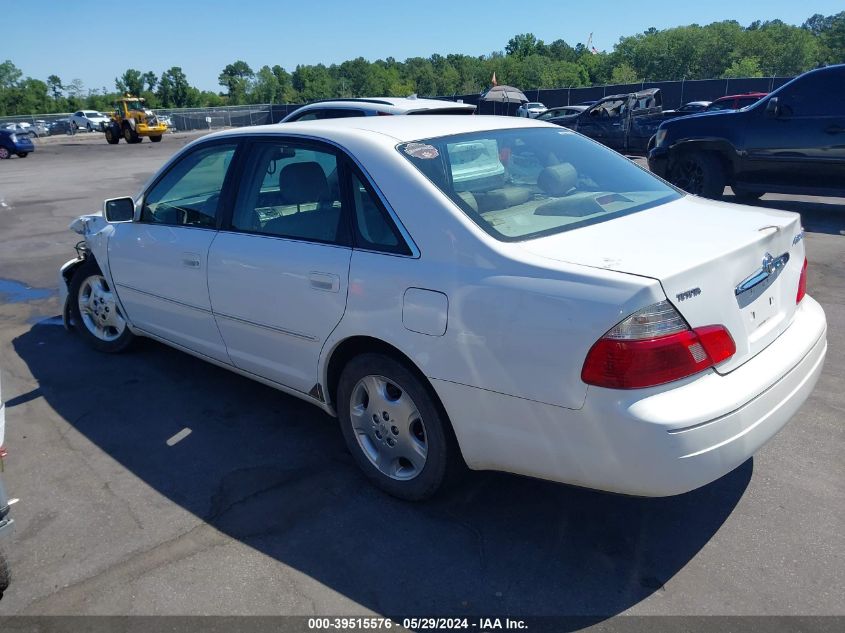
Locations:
(90, 40)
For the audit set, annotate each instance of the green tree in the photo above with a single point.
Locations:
(623, 74)
(745, 67)
(55, 85)
(523, 45)
(150, 80)
(131, 81)
(174, 89)
(235, 78)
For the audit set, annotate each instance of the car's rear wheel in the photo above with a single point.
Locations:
(156, 138)
(699, 173)
(746, 195)
(4, 153)
(394, 428)
(96, 312)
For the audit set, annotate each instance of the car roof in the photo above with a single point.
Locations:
(744, 94)
(394, 105)
(397, 128)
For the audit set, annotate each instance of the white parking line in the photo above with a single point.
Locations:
(181, 435)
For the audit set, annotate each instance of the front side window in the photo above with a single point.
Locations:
(291, 190)
(608, 109)
(817, 94)
(189, 193)
(525, 183)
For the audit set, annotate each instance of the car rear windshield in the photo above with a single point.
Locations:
(519, 184)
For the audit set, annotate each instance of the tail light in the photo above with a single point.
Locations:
(654, 346)
(802, 283)
(3, 452)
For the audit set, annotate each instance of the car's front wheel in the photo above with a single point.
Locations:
(394, 428)
(23, 154)
(96, 312)
(699, 173)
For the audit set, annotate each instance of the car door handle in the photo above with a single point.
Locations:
(324, 281)
(835, 129)
(191, 260)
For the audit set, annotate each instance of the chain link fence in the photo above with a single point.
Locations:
(180, 119)
(675, 94)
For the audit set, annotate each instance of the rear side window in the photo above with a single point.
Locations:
(374, 229)
(189, 193)
(291, 191)
(330, 113)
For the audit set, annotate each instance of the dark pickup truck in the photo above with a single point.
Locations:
(791, 141)
(623, 122)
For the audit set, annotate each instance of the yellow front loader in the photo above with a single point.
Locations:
(133, 121)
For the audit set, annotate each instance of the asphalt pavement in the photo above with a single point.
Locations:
(259, 509)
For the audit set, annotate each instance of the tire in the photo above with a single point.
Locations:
(95, 311)
(130, 135)
(699, 173)
(5, 574)
(745, 195)
(90, 127)
(394, 428)
(111, 137)
(156, 138)
(4, 153)
(23, 154)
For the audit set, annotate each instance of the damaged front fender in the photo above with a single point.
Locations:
(95, 231)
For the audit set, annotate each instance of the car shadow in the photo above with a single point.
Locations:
(273, 472)
(817, 216)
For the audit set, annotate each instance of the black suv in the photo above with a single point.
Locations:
(791, 141)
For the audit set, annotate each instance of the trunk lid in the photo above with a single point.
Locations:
(709, 258)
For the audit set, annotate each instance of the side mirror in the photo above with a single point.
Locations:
(773, 108)
(119, 209)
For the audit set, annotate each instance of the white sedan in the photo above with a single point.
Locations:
(482, 290)
(90, 120)
(531, 109)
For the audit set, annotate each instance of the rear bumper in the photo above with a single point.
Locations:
(658, 161)
(649, 442)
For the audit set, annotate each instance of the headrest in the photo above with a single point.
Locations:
(303, 182)
(557, 180)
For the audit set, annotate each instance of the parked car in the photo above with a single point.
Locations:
(90, 120)
(19, 129)
(14, 143)
(488, 289)
(560, 111)
(624, 122)
(62, 126)
(692, 107)
(735, 102)
(790, 141)
(40, 128)
(531, 110)
(343, 108)
(6, 520)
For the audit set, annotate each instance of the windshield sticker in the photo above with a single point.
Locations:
(421, 150)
